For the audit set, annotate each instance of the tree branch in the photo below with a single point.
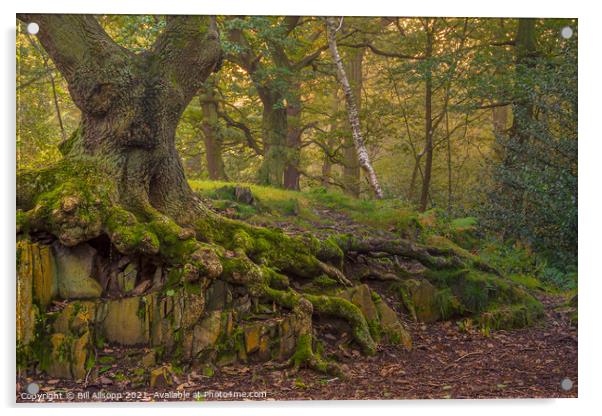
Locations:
(189, 50)
(377, 51)
(71, 39)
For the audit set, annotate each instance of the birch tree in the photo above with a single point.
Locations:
(362, 153)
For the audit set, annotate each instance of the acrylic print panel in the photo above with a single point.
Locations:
(295, 208)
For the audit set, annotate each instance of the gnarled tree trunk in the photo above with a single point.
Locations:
(131, 103)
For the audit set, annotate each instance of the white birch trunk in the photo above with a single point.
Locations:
(354, 121)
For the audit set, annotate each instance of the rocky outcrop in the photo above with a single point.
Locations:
(383, 321)
(75, 272)
(153, 310)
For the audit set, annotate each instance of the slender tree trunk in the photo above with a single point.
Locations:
(449, 164)
(351, 166)
(428, 122)
(352, 112)
(330, 141)
(275, 133)
(211, 133)
(412, 187)
(525, 54)
(293, 142)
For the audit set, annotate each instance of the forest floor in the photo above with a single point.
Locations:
(446, 362)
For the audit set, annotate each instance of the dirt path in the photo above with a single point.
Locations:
(445, 363)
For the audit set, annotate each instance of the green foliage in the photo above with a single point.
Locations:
(534, 194)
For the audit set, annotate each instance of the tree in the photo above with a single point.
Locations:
(212, 134)
(131, 104)
(274, 65)
(533, 197)
(352, 112)
(351, 166)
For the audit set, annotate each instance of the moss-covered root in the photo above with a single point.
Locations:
(335, 274)
(304, 355)
(342, 308)
(330, 306)
(430, 256)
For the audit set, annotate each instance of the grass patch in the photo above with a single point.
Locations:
(276, 204)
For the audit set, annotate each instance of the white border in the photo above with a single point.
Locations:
(590, 215)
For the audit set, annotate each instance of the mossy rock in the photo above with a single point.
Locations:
(126, 279)
(497, 301)
(419, 298)
(511, 316)
(394, 331)
(69, 356)
(207, 332)
(252, 336)
(75, 272)
(75, 317)
(161, 377)
(124, 323)
(26, 310)
(361, 296)
(381, 319)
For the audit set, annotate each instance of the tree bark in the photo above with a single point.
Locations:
(293, 142)
(351, 166)
(274, 126)
(428, 121)
(525, 54)
(212, 136)
(352, 112)
(131, 103)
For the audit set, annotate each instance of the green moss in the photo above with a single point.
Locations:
(329, 250)
(230, 346)
(303, 352)
(511, 316)
(39, 351)
(323, 281)
(376, 330)
(128, 235)
(498, 301)
(529, 282)
(305, 356)
(172, 245)
(339, 307)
